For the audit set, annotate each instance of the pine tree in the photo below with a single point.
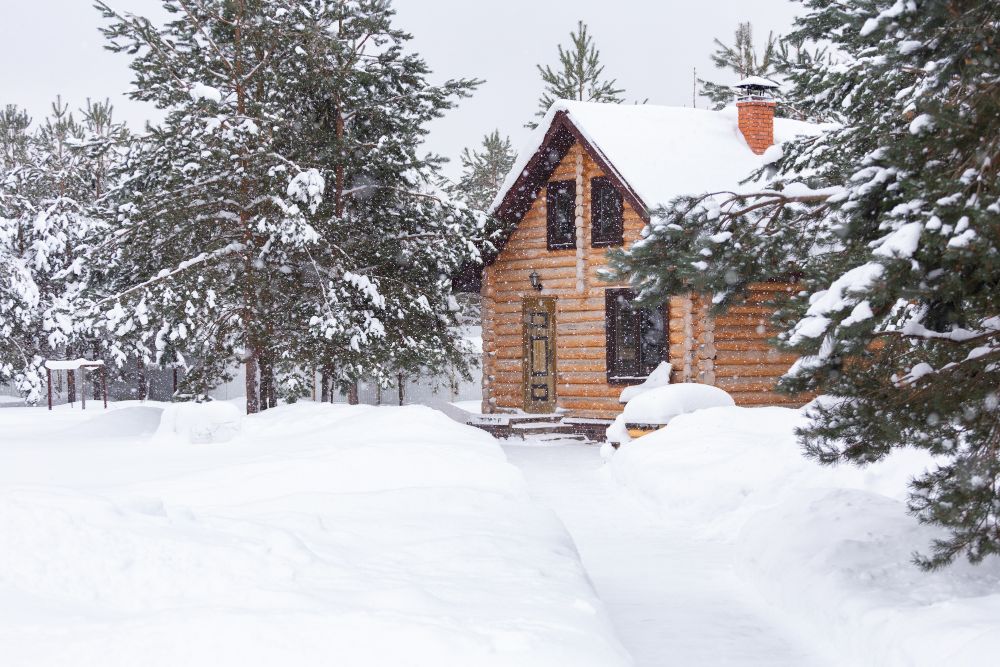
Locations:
(19, 297)
(47, 196)
(740, 61)
(578, 76)
(893, 222)
(281, 215)
(484, 170)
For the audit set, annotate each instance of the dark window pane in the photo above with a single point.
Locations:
(606, 213)
(560, 210)
(636, 336)
(653, 337)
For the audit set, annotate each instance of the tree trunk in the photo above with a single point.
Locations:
(352, 393)
(70, 378)
(324, 383)
(140, 378)
(402, 387)
(265, 366)
(253, 403)
(97, 386)
(249, 252)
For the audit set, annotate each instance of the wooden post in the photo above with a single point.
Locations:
(104, 385)
(48, 378)
(83, 388)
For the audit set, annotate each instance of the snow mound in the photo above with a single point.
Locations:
(200, 423)
(829, 547)
(661, 404)
(377, 536)
(660, 377)
(122, 422)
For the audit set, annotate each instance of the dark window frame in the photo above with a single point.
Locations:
(560, 193)
(605, 233)
(611, 318)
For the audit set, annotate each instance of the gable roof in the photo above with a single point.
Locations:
(652, 153)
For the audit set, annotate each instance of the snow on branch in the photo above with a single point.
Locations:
(183, 266)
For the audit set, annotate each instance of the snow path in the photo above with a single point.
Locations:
(674, 598)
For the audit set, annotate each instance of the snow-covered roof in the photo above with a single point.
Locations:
(71, 364)
(658, 152)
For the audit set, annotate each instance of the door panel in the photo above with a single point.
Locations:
(539, 318)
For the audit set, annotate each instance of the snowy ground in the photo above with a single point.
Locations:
(674, 596)
(827, 549)
(395, 536)
(322, 535)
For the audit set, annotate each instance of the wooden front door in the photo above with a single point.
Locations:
(539, 317)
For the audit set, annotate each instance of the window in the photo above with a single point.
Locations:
(606, 213)
(636, 337)
(560, 214)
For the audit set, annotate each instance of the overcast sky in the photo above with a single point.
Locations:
(51, 47)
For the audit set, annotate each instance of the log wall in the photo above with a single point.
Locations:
(728, 352)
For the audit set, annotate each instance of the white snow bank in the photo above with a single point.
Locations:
(660, 377)
(367, 536)
(830, 547)
(134, 420)
(213, 421)
(661, 404)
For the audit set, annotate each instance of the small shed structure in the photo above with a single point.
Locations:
(556, 337)
(73, 366)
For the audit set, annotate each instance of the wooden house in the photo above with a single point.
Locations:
(556, 337)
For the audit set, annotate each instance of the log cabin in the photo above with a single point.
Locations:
(559, 339)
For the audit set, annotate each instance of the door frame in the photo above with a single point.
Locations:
(531, 308)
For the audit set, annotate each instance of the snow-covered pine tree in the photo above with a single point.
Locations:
(19, 298)
(893, 222)
(281, 212)
(484, 169)
(579, 75)
(483, 173)
(739, 61)
(47, 192)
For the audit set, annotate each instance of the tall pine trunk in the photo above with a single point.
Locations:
(248, 314)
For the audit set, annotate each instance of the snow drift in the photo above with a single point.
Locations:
(320, 535)
(831, 547)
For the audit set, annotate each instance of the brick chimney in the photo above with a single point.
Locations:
(756, 121)
(755, 104)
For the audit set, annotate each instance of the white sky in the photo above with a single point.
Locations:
(51, 47)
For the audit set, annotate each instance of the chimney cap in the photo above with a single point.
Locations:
(756, 88)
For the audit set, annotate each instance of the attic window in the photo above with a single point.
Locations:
(560, 214)
(636, 337)
(606, 213)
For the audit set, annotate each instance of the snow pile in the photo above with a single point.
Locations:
(660, 405)
(660, 377)
(830, 547)
(199, 423)
(367, 536)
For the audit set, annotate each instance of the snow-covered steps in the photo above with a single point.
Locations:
(524, 425)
